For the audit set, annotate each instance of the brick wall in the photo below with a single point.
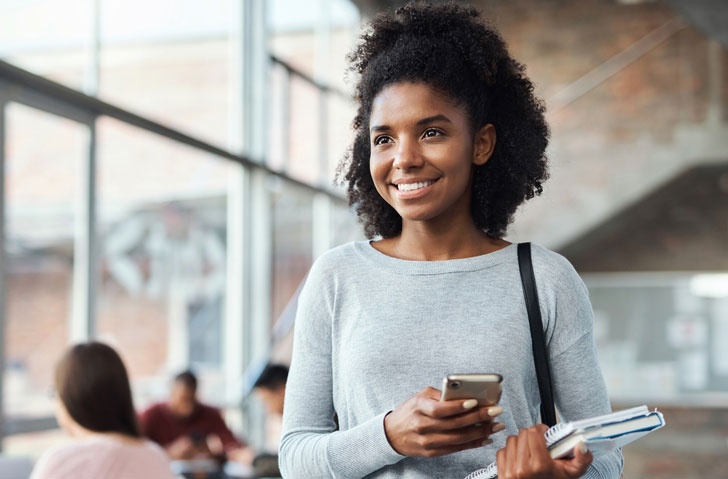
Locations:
(625, 136)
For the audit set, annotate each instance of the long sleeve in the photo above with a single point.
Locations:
(218, 427)
(579, 389)
(310, 446)
(149, 424)
(580, 393)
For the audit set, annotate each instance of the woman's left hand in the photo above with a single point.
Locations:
(526, 456)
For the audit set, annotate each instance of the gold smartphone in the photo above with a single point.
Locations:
(486, 388)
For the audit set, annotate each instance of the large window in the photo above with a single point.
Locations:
(171, 60)
(162, 221)
(50, 38)
(292, 242)
(44, 155)
(661, 336)
(138, 235)
(311, 129)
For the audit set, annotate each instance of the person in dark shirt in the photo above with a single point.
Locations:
(188, 429)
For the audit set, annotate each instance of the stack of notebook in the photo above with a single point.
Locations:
(600, 434)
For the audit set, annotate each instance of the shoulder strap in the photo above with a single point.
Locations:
(543, 374)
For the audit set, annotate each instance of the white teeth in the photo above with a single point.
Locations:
(413, 186)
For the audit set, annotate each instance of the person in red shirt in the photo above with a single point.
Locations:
(188, 429)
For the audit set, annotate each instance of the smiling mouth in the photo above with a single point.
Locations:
(414, 186)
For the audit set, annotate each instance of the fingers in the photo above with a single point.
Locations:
(462, 447)
(430, 393)
(457, 437)
(500, 459)
(511, 456)
(577, 465)
(433, 407)
(525, 443)
(536, 441)
(479, 415)
(427, 427)
(524, 455)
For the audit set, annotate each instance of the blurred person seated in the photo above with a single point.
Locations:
(95, 407)
(271, 388)
(190, 430)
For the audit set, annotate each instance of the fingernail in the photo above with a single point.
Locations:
(498, 427)
(470, 403)
(582, 448)
(494, 411)
(487, 442)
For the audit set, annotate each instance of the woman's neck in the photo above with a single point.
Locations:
(421, 241)
(80, 432)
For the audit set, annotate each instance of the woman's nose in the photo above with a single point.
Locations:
(407, 155)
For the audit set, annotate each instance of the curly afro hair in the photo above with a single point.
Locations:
(451, 49)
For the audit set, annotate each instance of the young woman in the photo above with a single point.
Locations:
(95, 407)
(449, 142)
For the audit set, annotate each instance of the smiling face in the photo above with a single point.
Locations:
(423, 152)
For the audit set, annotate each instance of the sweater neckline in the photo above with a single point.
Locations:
(411, 267)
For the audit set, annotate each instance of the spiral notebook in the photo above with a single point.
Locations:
(601, 434)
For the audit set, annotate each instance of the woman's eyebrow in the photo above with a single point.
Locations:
(432, 119)
(424, 121)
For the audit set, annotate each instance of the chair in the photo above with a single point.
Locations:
(15, 467)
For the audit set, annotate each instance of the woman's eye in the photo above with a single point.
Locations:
(429, 133)
(381, 139)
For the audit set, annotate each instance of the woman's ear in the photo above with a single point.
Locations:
(484, 144)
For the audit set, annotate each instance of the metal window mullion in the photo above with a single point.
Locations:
(236, 299)
(3, 272)
(321, 72)
(321, 224)
(286, 120)
(92, 251)
(93, 69)
(257, 215)
(323, 119)
(85, 246)
(74, 101)
(236, 293)
(259, 278)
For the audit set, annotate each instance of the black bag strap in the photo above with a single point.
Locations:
(543, 374)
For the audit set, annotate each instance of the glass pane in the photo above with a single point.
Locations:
(292, 242)
(344, 226)
(33, 445)
(292, 37)
(162, 220)
(43, 178)
(663, 341)
(304, 162)
(294, 27)
(314, 38)
(278, 118)
(170, 63)
(340, 113)
(48, 37)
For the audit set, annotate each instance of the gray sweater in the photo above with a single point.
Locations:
(372, 330)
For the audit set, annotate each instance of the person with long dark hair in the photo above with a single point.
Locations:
(450, 140)
(95, 407)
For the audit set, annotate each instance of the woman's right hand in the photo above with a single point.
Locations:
(424, 426)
